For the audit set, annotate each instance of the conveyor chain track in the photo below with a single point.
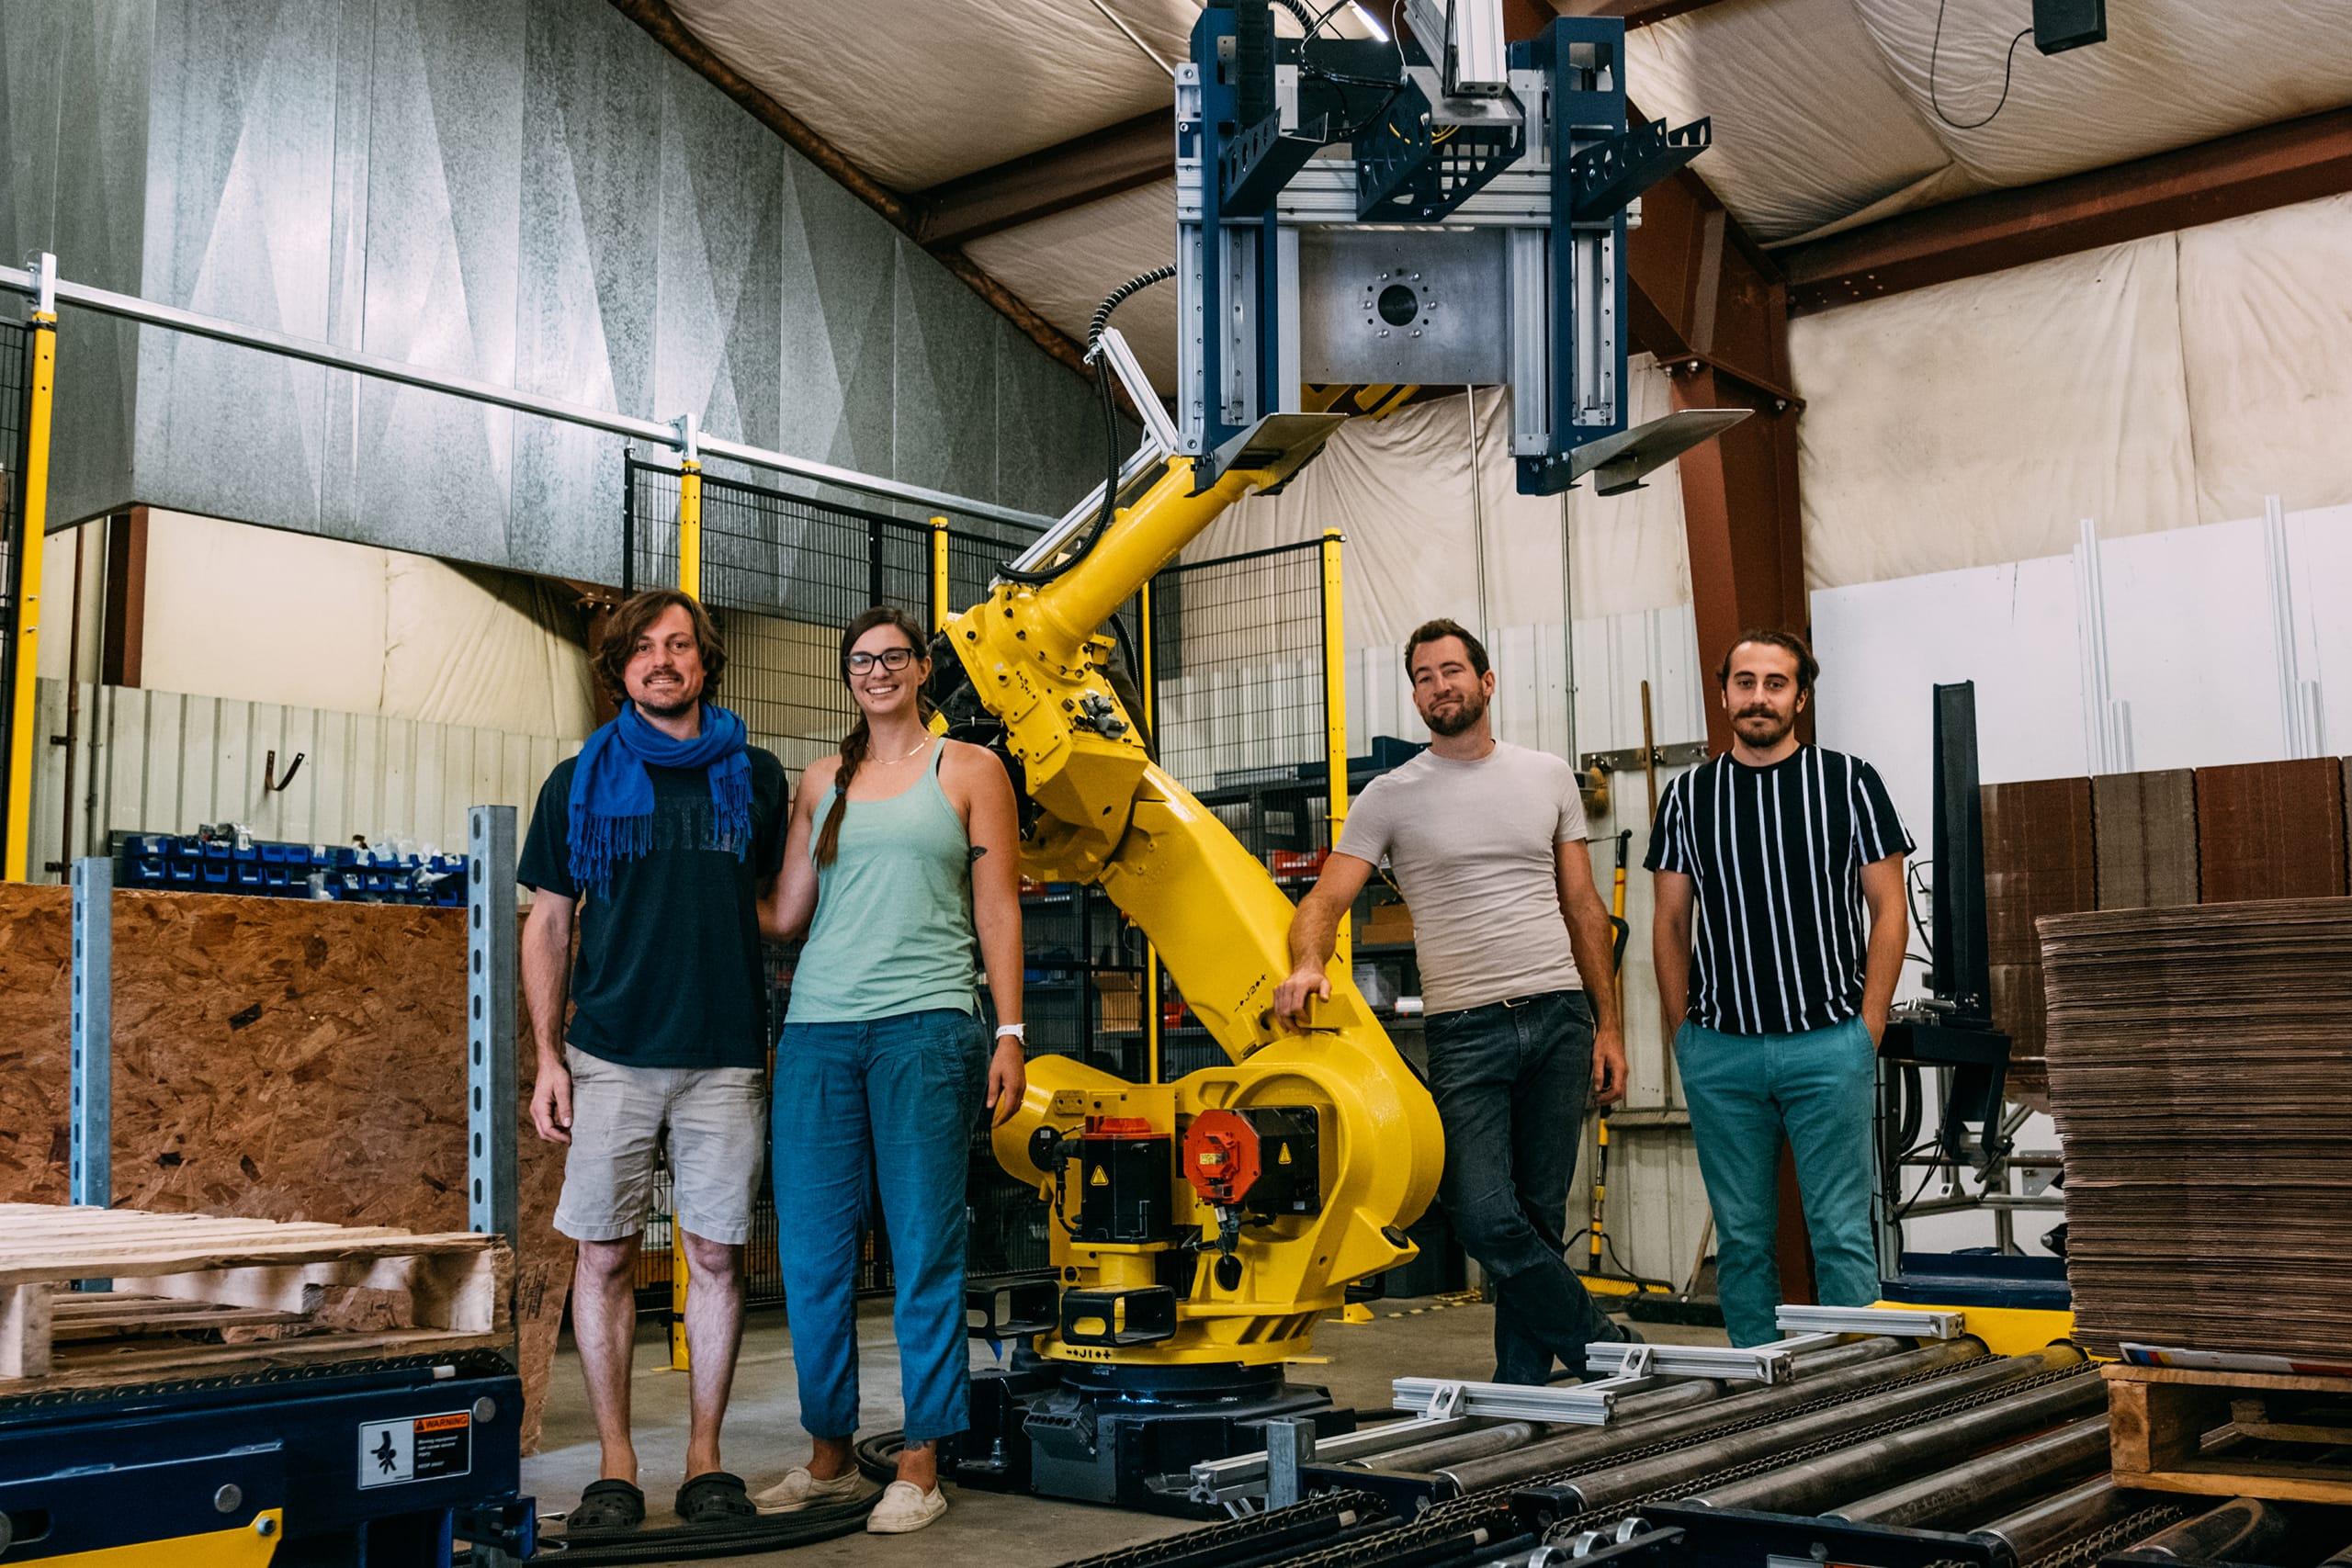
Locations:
(1236, 1532)
(2118, 1537)
(468, 1364)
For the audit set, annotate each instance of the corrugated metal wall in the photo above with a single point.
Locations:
(148, 762)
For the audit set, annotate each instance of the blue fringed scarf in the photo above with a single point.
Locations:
(612, 795)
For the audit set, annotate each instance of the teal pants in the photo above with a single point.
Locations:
(1745, 1092)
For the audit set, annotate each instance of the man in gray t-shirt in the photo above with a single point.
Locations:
(1487, 843)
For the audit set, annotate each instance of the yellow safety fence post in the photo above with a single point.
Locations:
(690, 528)
(689, 505)
(1335, 759)
(1335, 712)
(41, 387)
(678, 1362)
(940, 608)
(689, 582)
(1148, 678)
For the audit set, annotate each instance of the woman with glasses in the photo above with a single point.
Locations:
(902, 859)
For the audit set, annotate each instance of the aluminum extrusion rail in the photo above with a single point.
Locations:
(35, 283)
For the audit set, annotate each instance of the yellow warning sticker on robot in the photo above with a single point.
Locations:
(416, 1448)
(1285, 1155)
(1099, 1178)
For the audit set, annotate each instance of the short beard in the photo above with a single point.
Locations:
(1472, 710)
(1772, 739)
(667, 710)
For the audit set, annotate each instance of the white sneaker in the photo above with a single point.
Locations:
(799, 1490)
(904, 1508)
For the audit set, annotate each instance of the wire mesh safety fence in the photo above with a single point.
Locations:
(1240, 705)
(780, 574)
(1237, 666)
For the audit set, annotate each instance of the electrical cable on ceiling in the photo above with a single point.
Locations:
(2008, 64)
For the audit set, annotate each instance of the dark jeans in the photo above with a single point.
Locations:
(1511, 1081)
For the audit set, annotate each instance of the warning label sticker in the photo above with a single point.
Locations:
(416, 1448)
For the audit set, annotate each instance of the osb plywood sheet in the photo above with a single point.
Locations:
(2145, 829)
(36, 975)
(2270, 830)
(277, 1059)
(2038, 860)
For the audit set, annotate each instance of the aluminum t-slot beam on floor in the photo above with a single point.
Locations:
(1772, 1363)
(1903, 1323)
(1589, 1405)
(1809, 1328)
(1226, 1482)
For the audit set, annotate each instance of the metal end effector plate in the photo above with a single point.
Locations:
(1277, 446)
(1619, 463)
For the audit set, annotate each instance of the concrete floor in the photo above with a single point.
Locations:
(982, 1529)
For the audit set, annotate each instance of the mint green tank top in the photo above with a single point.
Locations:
(893, 929)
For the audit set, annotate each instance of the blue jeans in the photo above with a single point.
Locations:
(889, 1104)
(1744, 1091)
(1511, 1081)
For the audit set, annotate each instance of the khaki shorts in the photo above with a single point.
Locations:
(716, 1119)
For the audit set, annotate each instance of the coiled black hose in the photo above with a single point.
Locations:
(1101, 319)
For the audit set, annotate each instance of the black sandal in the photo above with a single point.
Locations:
(606, 1506)
(715, 1497)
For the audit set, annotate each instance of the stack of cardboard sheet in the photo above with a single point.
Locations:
(2200, 1073)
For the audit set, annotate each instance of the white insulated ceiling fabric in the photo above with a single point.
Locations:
(2172, 381)
(1822, 115)
(915, 91)
(1820, 107)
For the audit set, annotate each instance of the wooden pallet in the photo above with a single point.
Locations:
(2160, 1416)
(196, 1296)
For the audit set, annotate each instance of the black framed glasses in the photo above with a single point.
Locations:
(863, 662)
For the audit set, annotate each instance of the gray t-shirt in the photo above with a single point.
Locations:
(1471, 846)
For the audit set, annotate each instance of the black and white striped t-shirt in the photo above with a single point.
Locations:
(1778, 938)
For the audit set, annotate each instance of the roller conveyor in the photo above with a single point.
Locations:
(2015, 1474)
(1817, 1485)
(1878, 1454)
(1870, 1364)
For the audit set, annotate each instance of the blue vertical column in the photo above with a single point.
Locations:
(90, 1160)
(493, 944)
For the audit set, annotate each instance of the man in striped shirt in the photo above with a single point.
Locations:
(1778, 938)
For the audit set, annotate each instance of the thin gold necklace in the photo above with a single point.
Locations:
(919, 750)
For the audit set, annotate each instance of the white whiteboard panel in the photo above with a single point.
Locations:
(2189, 649)
(1884, 647)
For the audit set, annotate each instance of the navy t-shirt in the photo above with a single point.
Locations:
(668, 972)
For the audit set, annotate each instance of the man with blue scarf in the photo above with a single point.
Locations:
(657, 843)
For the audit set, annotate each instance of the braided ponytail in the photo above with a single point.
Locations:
(858, 744)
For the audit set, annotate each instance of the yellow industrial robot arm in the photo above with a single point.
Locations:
(1269, 1182)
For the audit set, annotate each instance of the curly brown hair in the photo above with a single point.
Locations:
(635, 617)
